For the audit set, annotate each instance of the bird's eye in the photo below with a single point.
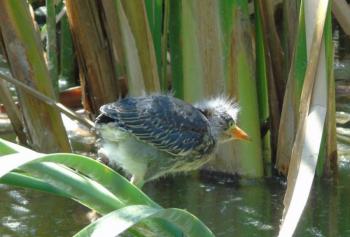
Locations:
(231, 123)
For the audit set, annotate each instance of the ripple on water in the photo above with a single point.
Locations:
(258, 224)
(315, 232)
(247, 210)
(19, 209)
(208, 188)
(12, 224)
(18, 197)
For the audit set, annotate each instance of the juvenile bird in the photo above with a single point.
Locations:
(151, 136)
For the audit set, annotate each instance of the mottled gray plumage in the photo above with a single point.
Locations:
(151, 136)
(169, 124)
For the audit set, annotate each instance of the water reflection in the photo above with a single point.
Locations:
(254, 208)
(327, 212)
(28, 213)
(228, 208)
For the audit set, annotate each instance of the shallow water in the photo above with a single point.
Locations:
(31, 213)
(251, 208)
(228, 208)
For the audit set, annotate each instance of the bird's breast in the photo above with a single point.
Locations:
(111, 132)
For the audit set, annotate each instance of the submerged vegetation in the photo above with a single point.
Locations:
(274, 57)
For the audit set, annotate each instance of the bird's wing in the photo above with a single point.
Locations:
(167, 123)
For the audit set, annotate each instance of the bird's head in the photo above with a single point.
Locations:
(222, 115)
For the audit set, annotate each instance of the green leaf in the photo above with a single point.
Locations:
(129, 216)
(26, 181)
(114, 182)
(83, 189)
(138, 47)
(107, 192)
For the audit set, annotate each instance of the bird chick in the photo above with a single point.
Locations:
(152, 136)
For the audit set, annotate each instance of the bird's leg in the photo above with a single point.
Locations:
(137, 181)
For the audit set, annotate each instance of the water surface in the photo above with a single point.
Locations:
(227, 207)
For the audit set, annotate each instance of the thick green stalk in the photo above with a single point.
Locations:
(135, 13)
(164, 77)
(51, 48)
(210, 55)
(239, 67)
(186, 61)
(273, 69)
(67, 58)
(176, 45)
(154, 10)
(25, 55)
(289, 114)
(262, 91)
(158, 18)
(273, 44)
(328, 162)
(126, 49)
(13, 112)
(115, 40)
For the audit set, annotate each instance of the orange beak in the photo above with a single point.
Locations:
(239, 134)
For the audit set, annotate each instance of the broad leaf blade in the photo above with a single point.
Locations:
(114, 182)
(25, 181)
(81, 188)
(129, 216)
